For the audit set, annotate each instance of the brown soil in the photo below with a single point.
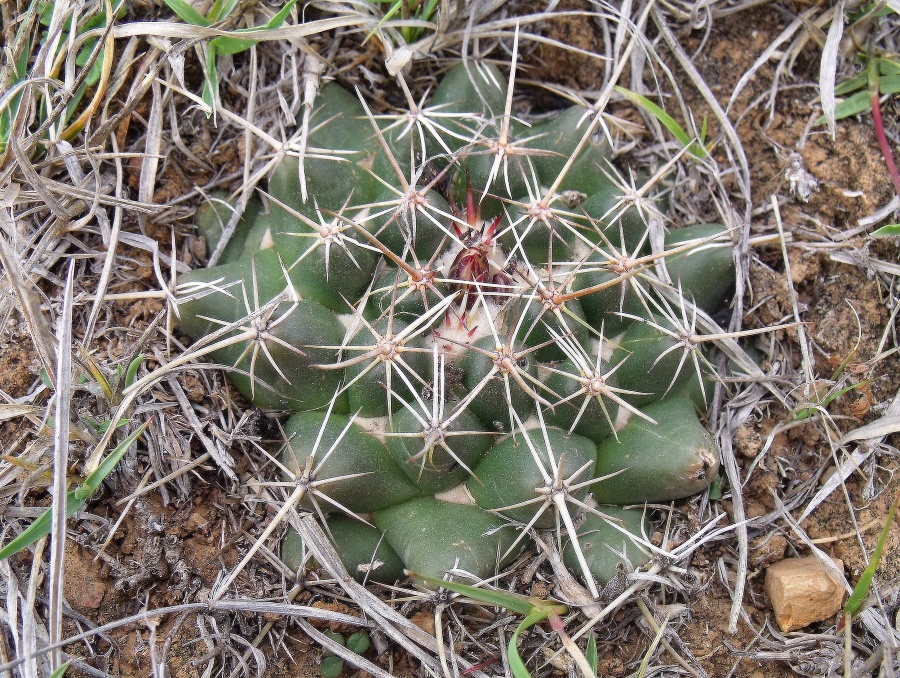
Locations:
(168, 549)
(19, 366)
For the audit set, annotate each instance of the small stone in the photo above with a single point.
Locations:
(80, 585)
(90, 595)
(802, 591)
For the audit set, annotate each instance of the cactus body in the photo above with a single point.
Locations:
(559, 138)
(603, 539)
(432, 456)
(353, 468)
(702, 273)
(671, 459)
(423, 343)
(651, 358)
(361, 547)
(512, 471)
(432, 536)
(583, 408)
(488, 361)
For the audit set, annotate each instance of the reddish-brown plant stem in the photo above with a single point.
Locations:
(882, 140)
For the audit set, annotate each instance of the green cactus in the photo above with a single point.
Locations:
(607, 539)
(434, 319)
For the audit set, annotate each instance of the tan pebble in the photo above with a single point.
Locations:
(90, 595)
(802, 591)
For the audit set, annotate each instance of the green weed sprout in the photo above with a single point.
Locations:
(332, 666)
(75, 499)
(417, 10)
(888, 231)
(220, 11)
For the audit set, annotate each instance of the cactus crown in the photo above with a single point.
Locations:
(451, 297)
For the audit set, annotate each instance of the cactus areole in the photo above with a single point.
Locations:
(468, 331)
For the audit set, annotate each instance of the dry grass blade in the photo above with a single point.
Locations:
(736, 146)
(851, 464)
(112, 242)
(829, 66)
(224, 462)
(11, 411)
(29, 305)
(146, 617)
(152, 145)
(763, 58)
(168, 29)
(33, 629)
(37, 182)
(60, 465)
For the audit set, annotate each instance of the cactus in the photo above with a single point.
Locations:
(434, 318)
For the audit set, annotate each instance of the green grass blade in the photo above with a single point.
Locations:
(131, 373)
(282, 14)
(889, 84)
(534, 610)
(853, 84)
(75, 499)
(888, 67)
(60, 670)
(887, 231)
(187, 14)
(861, 590)
(225, 45)
(807, 412)
(667, 121)
(92, 482)
(228, 45)
(516, 665)
(394, 8)
(852, 105)
(650, 650)
(221, 9)
(211, 83)
(38, 529)
(515, 602)
(590, 653)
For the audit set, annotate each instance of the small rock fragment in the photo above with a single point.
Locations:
(90, 595)
(802, 183)
(802, 591)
